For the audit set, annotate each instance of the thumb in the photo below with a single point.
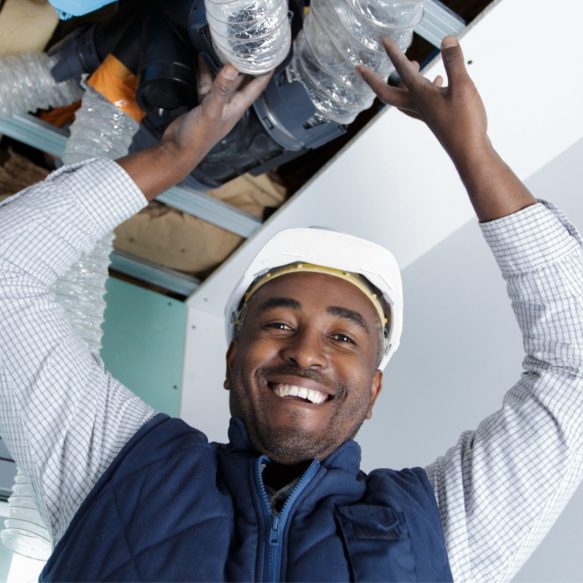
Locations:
(252, 90)
(453, 61)
(225, 84)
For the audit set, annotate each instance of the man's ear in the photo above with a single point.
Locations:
(231, 352)
(375, 390)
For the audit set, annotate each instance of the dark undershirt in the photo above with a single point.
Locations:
(280, 480)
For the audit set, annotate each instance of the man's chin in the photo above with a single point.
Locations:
(292, 445)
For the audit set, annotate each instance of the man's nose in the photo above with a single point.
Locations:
(306, 349)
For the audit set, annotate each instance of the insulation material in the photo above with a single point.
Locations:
(26, 26)
(17, 173)
(163, 235)
(180, 241)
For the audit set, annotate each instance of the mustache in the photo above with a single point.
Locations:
(291, 369)
(295, 370)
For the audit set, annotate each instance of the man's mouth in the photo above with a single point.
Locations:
(309, 395)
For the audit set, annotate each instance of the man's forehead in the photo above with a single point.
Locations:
(305, 281)
(294, 290)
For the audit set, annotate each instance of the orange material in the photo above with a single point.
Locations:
(61, 116)
(117, 84)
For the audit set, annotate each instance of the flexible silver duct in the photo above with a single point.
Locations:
(252, 35)
(27, 85)
(338, 35)
(101, 130)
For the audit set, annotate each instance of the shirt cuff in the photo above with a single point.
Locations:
(530, 238)
(103, 189)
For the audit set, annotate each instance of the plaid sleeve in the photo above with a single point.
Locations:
(63, 417)
(500, 488)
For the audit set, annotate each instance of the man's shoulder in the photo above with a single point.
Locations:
(157, 441)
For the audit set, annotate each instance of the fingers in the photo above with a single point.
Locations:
(438, 81)
(396, 96)
(408, 70)
(417, 68)
(226, 88)
(204, 80)
(453, 61)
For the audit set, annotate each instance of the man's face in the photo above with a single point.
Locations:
(302, 373)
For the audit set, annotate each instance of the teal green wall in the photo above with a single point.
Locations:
(143, 343)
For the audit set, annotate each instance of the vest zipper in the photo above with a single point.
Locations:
(275, 523)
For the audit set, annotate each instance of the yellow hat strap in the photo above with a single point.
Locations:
(348, 276)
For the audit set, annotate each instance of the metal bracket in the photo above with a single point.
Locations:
(206, 207)
(34, 132)
(163, 277)
(439, 21)
(43, 136)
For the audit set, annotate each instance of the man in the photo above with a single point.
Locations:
(136, 496)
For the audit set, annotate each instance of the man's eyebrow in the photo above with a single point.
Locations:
(279, 302)
(348, 315)
(285, 302)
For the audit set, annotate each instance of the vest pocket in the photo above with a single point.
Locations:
(376, 541)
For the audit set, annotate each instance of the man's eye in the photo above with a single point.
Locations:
(278, 326)
(342, 338)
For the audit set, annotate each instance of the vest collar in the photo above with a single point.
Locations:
(346, 458)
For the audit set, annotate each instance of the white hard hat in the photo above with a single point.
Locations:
(333, 250)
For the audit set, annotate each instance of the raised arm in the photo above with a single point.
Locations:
(63, 417)
(500, 488)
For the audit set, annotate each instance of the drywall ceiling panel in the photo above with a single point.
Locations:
(394, 184)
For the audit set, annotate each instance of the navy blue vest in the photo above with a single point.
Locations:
(173, 507)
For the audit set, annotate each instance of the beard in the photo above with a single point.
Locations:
(293, 445)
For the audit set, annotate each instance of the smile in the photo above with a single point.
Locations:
(310, 395)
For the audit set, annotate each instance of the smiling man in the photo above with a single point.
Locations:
(134, 495)
(303, 369)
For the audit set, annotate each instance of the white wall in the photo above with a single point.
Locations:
(461, 350)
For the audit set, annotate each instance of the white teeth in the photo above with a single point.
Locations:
(316, 396)
(311, 395)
